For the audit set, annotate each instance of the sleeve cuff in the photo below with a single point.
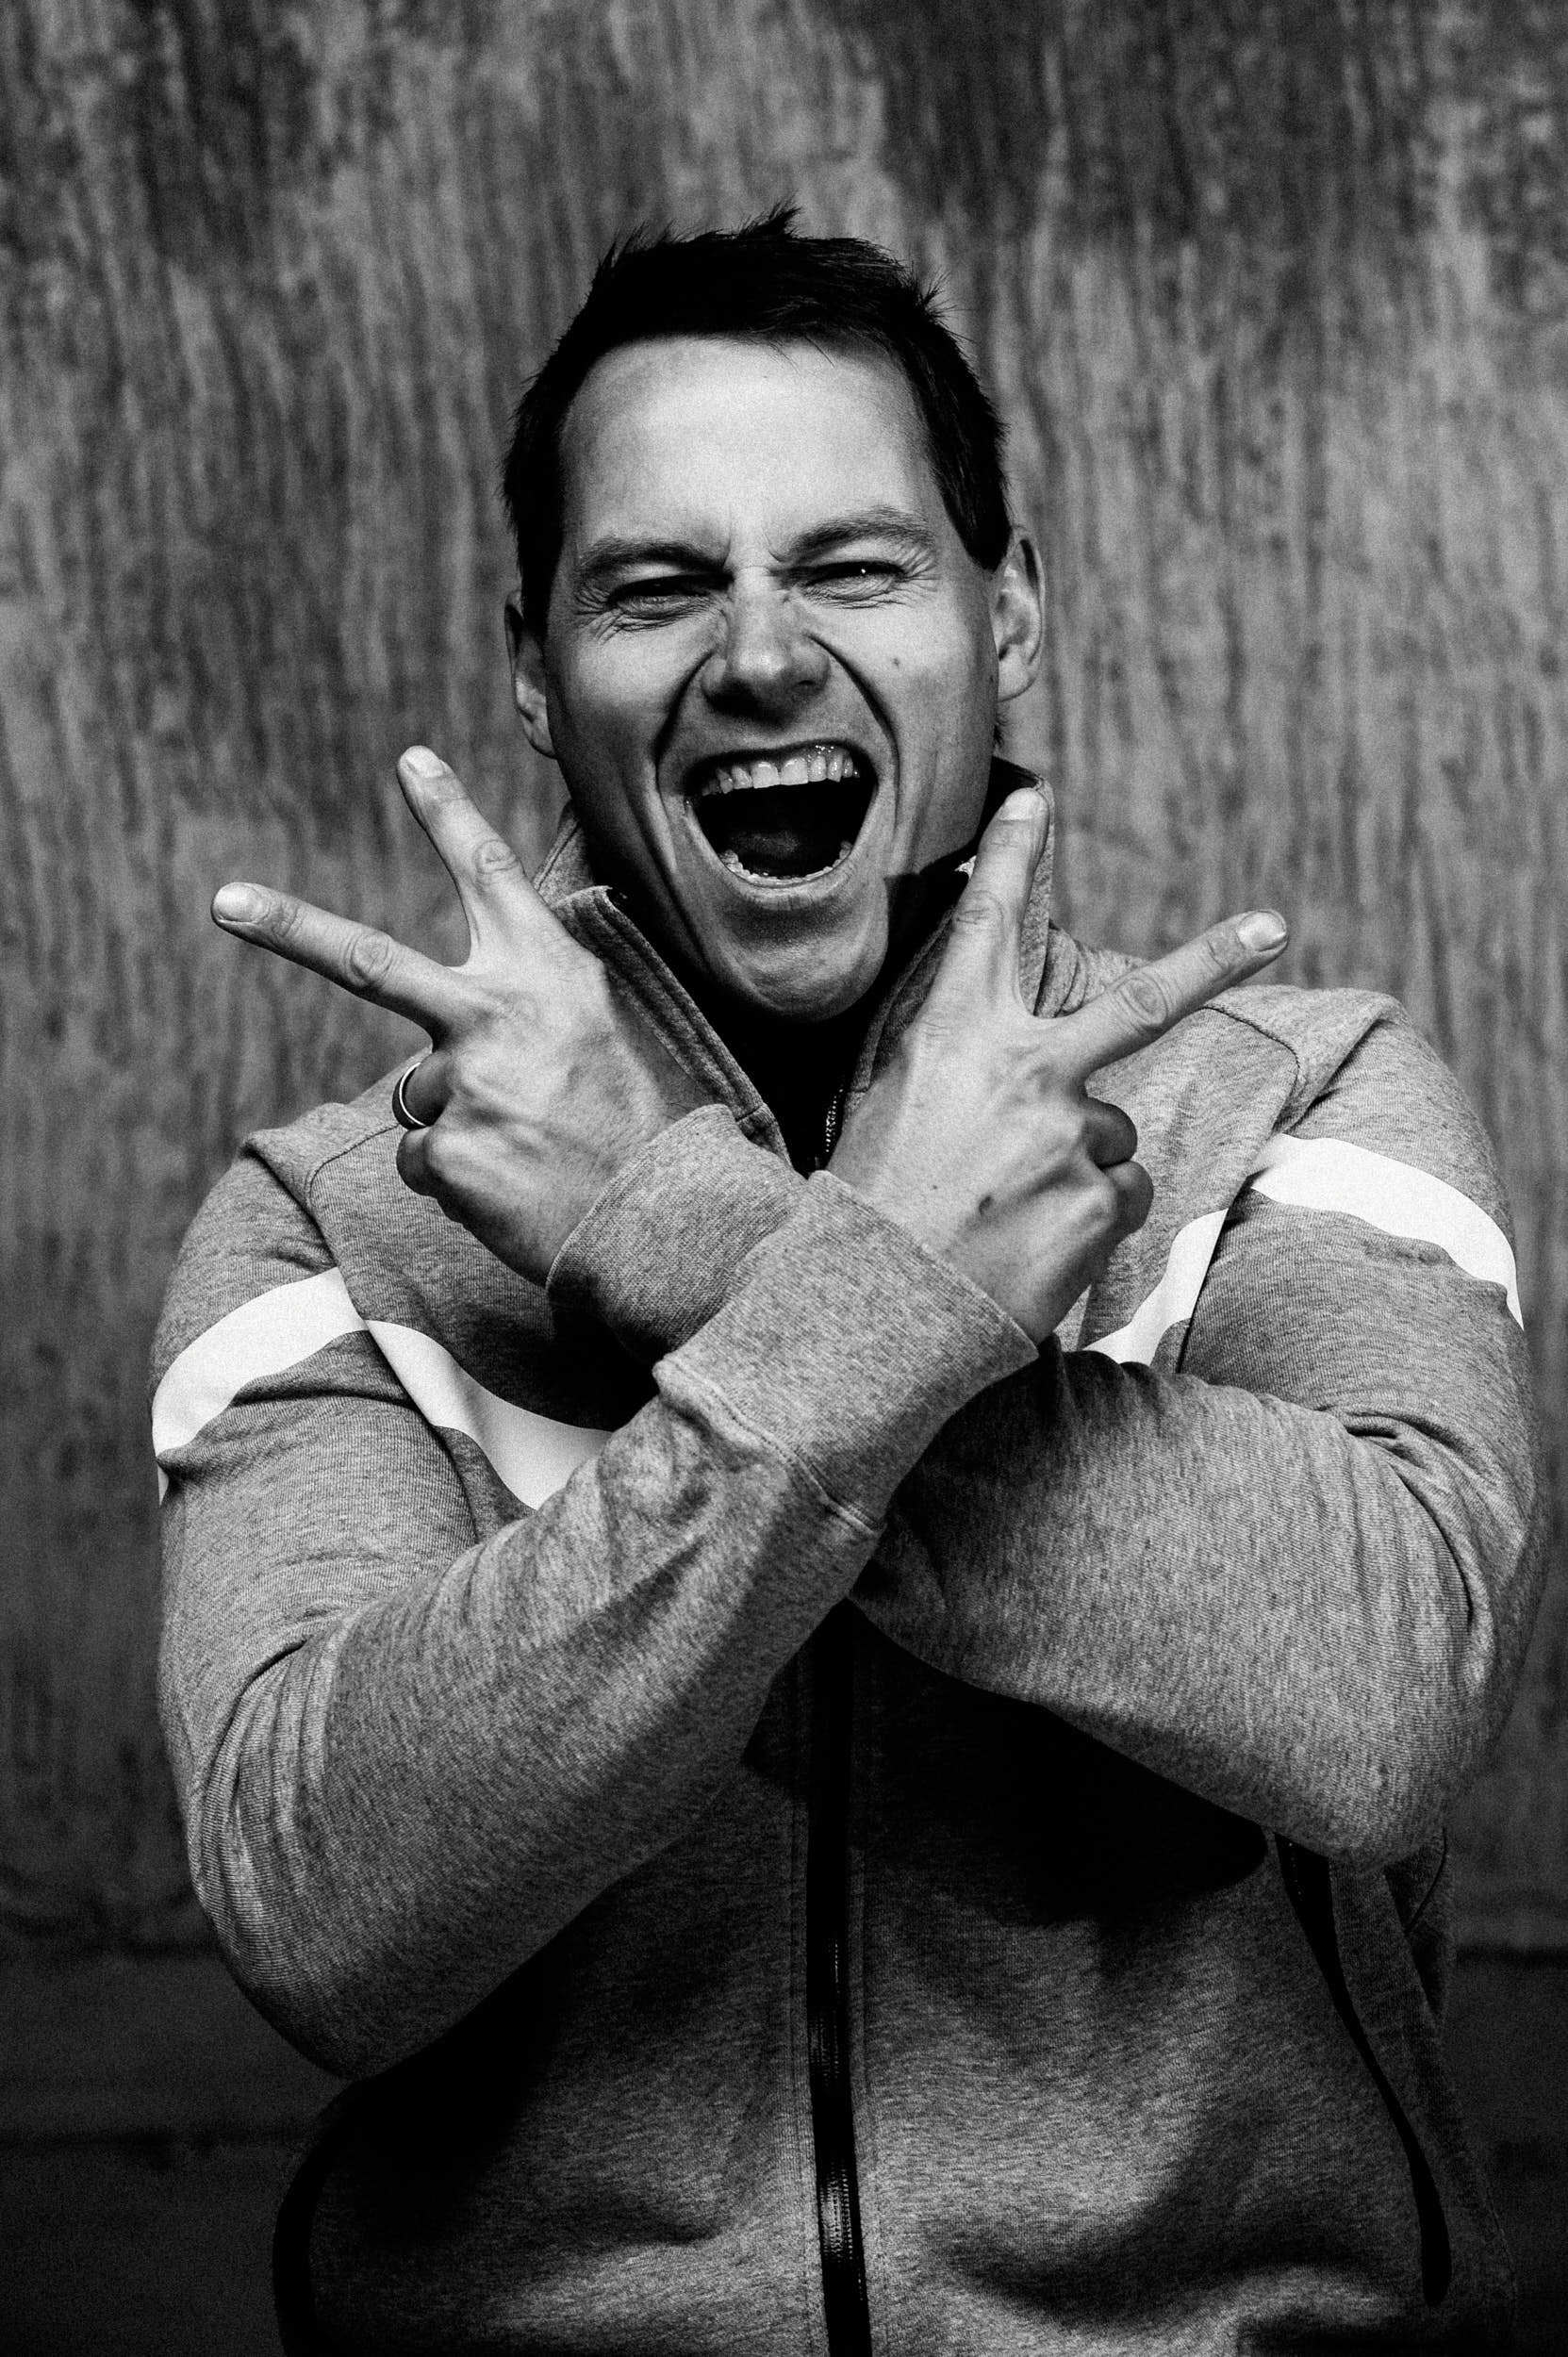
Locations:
(658, 1253)
(848, 1345)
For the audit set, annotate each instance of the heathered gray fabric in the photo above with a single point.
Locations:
(511, 1807)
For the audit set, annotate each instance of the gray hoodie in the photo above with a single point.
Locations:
(818, 1826)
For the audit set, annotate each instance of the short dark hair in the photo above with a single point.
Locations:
(767, 282)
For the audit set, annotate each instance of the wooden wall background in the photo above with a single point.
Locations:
(1275, 294)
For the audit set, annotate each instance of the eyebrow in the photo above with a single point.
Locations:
(616, 555)
(872, 523)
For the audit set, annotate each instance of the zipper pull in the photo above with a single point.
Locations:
(831, 1125)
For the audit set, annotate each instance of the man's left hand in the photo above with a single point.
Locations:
(544, 1079)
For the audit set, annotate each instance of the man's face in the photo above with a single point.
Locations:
(769, 670)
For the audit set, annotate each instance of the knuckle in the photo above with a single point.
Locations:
(1111, 1128)
(979, 911)
(437, 1162)
(494, 857)
(369, 957)
(469, 1085)
(411, 1161)
(1147, 1000)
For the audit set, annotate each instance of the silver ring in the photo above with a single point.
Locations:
(403, 1113)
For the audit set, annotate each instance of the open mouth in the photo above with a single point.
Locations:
(788, 816)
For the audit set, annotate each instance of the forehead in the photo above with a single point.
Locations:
(725, 436)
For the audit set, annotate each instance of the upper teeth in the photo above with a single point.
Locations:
(817, 765)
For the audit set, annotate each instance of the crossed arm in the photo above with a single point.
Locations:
(408, 1763)
(982, 1139)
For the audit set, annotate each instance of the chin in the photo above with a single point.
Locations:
(800, 990)
(807, 1004)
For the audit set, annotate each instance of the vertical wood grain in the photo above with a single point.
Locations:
(1276, 299)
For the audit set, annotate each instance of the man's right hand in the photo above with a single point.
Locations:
(546, 1078)
(979, 1136)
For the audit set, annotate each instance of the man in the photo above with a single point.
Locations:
(838, 1694)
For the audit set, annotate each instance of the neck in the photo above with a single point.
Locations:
(798, 1066)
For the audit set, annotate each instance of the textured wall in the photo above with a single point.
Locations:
(1275, 294)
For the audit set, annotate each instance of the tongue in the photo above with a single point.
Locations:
(783, 830)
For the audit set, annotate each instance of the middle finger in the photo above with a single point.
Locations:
(492, 883)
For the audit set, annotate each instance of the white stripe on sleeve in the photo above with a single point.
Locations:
(262, 1337)
(1173, 1297)
(1327, 1174)
(534, 1455)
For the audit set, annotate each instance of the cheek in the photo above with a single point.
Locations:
(600, 707)
(618, 692)
(939, 683)
(950, 746)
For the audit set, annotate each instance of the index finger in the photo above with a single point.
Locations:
(358, 958)
(1144, 1004)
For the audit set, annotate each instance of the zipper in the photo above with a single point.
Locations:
(833, 2122)
(846, 2309)
(844, 2300)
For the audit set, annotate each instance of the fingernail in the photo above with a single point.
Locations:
(1265, 929)
(423, 762)
(1024, 802)
(238, 904)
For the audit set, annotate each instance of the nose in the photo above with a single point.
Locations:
(766, 659)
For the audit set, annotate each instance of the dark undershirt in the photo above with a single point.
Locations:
(799, 1068)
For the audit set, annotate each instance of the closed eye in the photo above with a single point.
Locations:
(857, 576)
(660, 595)
(665, 597)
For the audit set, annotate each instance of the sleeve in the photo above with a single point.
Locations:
(409, 1754)
(1296, 1573)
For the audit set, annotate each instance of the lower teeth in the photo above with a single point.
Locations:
(731, 859)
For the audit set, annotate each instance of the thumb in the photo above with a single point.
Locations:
(980, 959)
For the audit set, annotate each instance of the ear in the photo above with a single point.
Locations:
(1018, 617)
(526, 649)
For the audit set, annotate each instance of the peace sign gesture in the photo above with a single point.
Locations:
(544, 1077)
(981, 1136)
